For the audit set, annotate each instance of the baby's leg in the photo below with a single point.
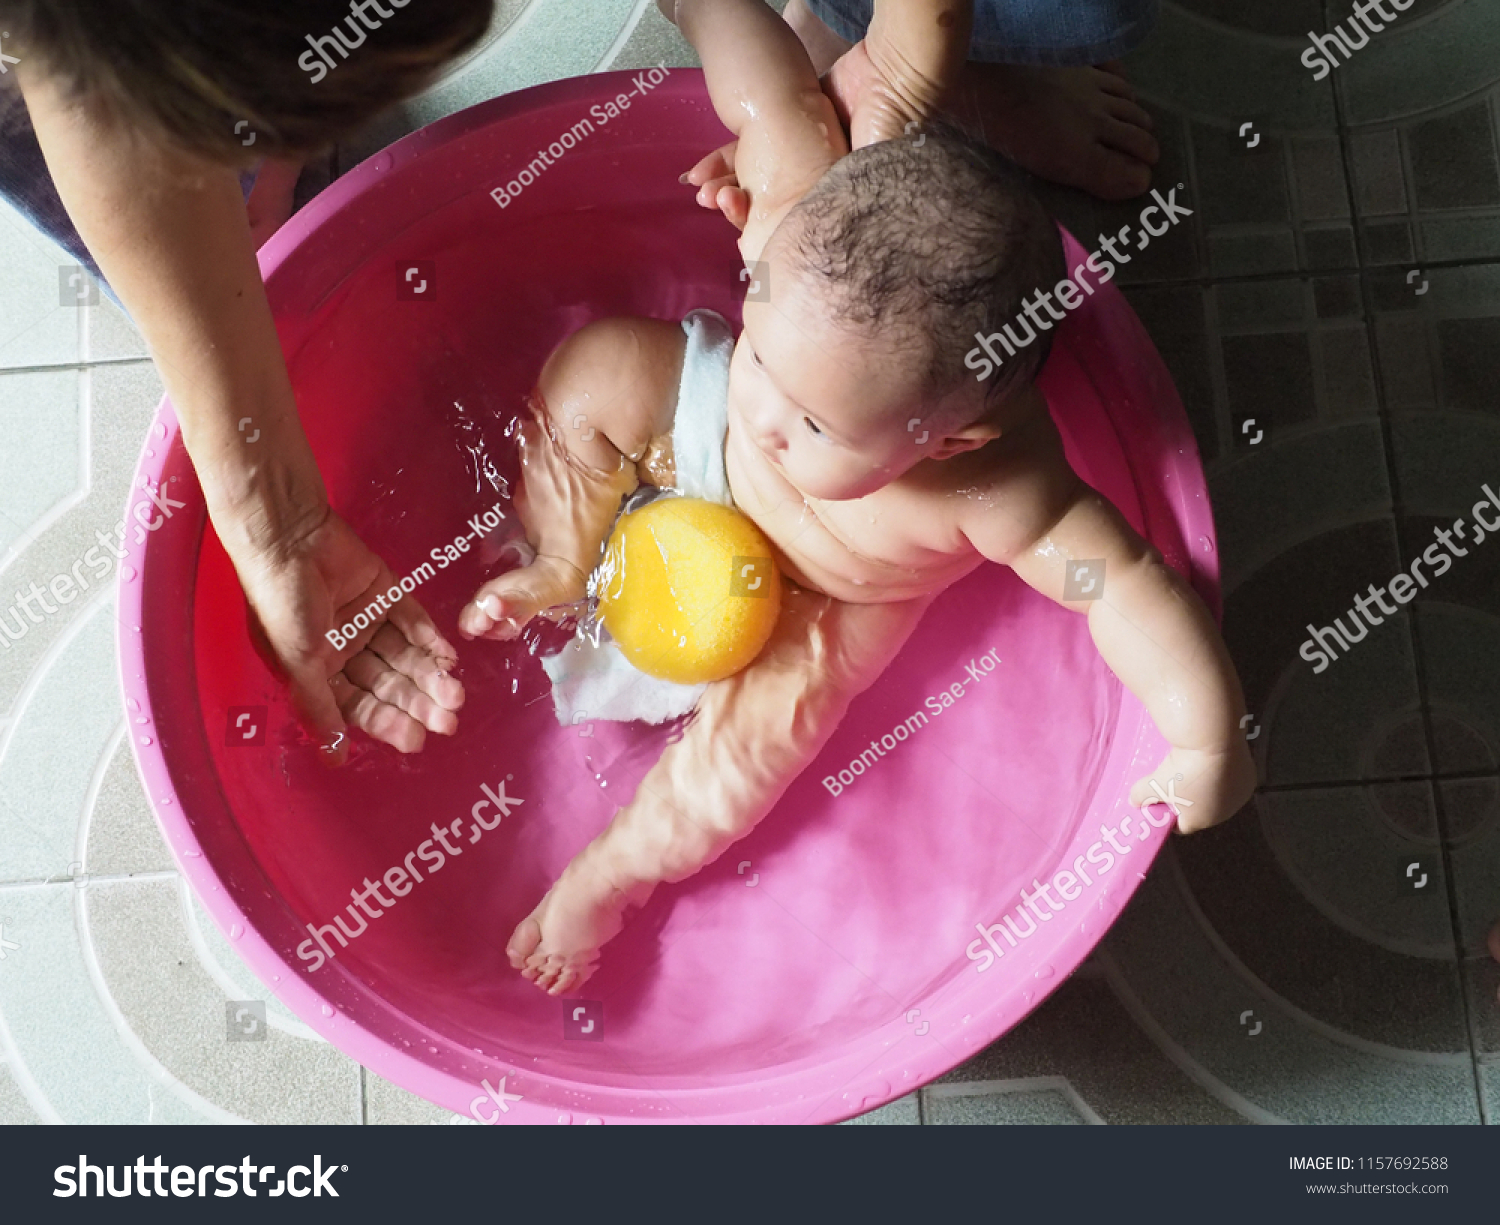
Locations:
(603, 396)
(753, 734)
(566, 509)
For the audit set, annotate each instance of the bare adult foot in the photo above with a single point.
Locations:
(1081, 127)
(557, 945)
(270, 201)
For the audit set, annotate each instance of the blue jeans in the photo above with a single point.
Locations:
(1057, 32)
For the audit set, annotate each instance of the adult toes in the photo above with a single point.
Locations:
(1132, 140)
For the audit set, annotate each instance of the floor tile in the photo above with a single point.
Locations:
(904, 1111)
(992, 1102)
(1285, 1006)
(1082, 1034)
(388, 1104)
(40, 323)
(179, 1015)
(14, 1108)
(123, 837)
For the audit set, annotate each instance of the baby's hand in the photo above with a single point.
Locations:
(719, 186)
(1203, 786)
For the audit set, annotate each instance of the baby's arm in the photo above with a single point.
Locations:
(1151, 629)
(765, 91)
(605, 392)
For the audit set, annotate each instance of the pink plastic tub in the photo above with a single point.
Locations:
(830, 962)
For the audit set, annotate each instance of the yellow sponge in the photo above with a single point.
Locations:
(688, 589)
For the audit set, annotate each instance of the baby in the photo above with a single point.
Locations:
(881, 470)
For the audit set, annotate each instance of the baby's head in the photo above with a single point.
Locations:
(853, 369)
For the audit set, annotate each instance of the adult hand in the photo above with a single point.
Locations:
(392, 681)
(903, 71)
(872, 106)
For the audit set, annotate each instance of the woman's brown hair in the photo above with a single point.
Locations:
(300, 74)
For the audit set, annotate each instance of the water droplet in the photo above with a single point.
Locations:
(235, 931)
(150, 454)
(327, 1011)
(1205, 544)
(127, 574)
(565, 1117)
(165, 801)
(193, 854)
(1045, 972)
(132, 704)
(432, 1050)
(142, 719)
(1028, 997)
(147, 741)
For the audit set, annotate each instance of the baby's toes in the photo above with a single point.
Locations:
(523, 943)
(548, 967)
(496, 611)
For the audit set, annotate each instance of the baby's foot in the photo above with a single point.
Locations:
(503, 605)
(1081, 127)
(557, 945)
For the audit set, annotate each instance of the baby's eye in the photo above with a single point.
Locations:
(813, 429)
(755, 357)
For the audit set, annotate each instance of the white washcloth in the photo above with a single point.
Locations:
(594, 680)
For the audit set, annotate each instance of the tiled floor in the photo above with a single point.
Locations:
(1331, 313)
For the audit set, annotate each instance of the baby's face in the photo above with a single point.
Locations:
(828, 408)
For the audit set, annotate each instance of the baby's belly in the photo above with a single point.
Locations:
(837, 555)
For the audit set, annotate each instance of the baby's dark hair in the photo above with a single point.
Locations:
(930, 241)
(191, 70)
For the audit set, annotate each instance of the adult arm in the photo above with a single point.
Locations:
(170, 233)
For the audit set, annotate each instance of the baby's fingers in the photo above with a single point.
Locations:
(730, 199)
(717, 165)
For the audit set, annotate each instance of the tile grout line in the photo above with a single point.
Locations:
(1434, 776)
(78, 366)
(84, 881)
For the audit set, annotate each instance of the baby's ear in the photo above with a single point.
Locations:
(965, 438)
